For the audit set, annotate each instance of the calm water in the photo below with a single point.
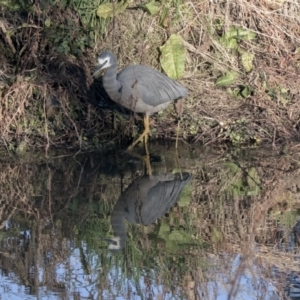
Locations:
(206, 224)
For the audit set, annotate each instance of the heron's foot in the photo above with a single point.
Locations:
(142, 138)
(132, 145)
(130, 148)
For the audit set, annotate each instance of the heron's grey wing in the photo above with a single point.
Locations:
(161, 197)
(150, 85)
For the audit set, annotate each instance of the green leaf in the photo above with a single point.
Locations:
(245, 91)
(242, 32)
(229, 43)
(48, 22)
(60, 49)
(239, 33)
(226, 79)
(247, 61)
(164, 16)
(185, 196)
(234, 34)
(109, 10)
(152, 7)
(234, 168)
(173, 57)
(233, 92)
(10, 4)
(231, 33)
(164, 230)
(219, 23)
(247, 35)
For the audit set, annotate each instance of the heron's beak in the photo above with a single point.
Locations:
(110, 241)
(98, 69)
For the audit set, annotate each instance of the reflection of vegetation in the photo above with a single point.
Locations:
(245, 182)
(185, 196)
(59, 217)
(177, 238)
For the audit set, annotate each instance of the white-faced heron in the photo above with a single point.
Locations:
(145, 200)
(138, 88)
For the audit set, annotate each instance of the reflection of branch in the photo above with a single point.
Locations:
(17, 266)
(76, 192)
(9, 41)
(7, 255)
(7, 218)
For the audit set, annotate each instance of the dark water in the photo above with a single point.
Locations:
(207, 224)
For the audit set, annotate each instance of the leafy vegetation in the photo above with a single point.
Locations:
(173, 57)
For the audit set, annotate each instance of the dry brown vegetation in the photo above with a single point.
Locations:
(48, 97)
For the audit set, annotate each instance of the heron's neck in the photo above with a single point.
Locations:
(117, 223)
(110, 82)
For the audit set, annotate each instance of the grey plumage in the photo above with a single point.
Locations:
(138, 88)
(144, 201)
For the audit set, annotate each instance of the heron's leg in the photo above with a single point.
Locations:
(146, 149)
(148, 164)
(147, 128)
(144, 135)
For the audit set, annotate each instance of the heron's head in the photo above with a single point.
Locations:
(105, 60)
(115, 244)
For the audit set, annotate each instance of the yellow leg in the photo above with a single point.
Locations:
(148, 164)
(144, 135)
(147, 128)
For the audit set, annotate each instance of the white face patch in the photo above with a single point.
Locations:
(116, 245)
(104, 62)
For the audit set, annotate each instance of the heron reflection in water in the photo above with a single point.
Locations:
(145, 200)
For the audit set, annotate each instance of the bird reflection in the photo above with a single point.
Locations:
(145, 200)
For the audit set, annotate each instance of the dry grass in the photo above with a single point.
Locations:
(270, 113)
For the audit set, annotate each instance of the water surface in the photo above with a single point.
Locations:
(217, 224)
